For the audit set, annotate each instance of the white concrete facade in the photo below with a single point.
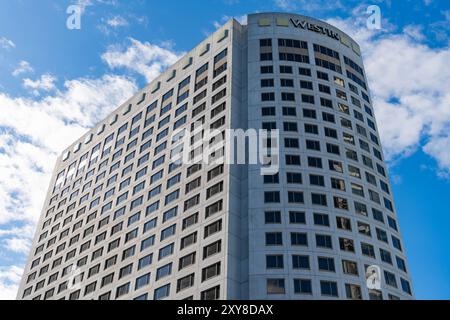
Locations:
(222, 222)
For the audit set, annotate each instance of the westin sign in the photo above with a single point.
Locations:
(315, 28)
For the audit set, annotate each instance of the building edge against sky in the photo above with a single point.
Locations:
(137, 226)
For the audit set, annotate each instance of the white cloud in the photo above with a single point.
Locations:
(83, 4)
(23, 67)
(9, 282)
(87, 3)
(409, 83)
(231, 2)
(309, 5)
(441, 28)
(117, 21)
(414, 31)
(241, 19)
(20, 245)
(26, 231)
(285, 4)
(446, 14)
(45, 83)
(34, 132)
(6, 43)
(142, 20)
(439, 148)
(109, 26)
(144, 58)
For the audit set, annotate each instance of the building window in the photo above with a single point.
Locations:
(326, 264)
(163, 271)
(353, 291)
(162, 292)
(297, 217)
(142, 281)
(272, 217)
(367, 250)
(275, 286)
(271, 197)
(211, 294)
(319, 199)
(350, 267)
(274, 262)
(390, 279)
(406, 287)
(123, 290)
(295, 197)
(329, 288)
(300, 262)
(274, 239)
(210, 271)
(186, 261)
(302, 286)
(324, 241)
(321, 219)
(212, 249)
(185, 282)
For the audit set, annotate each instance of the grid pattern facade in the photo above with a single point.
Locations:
(121, 218)
(122, 221)
(328, 214)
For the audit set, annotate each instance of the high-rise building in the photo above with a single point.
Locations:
(122, 220)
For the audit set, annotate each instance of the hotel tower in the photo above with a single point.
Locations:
(123, 220)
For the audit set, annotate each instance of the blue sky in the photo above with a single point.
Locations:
(55, 83)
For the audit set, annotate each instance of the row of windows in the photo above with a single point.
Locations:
(156, 87)
(164, 108)
(325, 241)
(305, 89)
(310, 98)
(302, 262)
(211, 174)
(138, 249)
(108, 149)
(335, 166)
(137, 189)
(328, 132)
(158, 293)
(146, 243)
(322, 76)
(127, 184)
(338, 202)
(130, 156)
(345, 123)
(329, 288)
(333, 149)
(132, 220)
(335, 183)
(343, 223)
(293, 143)
(113, 180)
(324, 57)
